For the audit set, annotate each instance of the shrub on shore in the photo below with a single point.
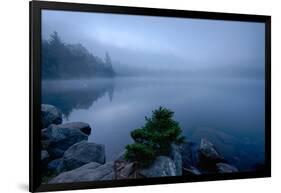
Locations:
(154, 138)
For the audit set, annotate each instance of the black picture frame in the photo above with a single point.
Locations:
(35, 93)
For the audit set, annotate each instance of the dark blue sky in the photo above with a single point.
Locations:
(168, 43)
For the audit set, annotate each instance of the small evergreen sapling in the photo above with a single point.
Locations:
(154, 138)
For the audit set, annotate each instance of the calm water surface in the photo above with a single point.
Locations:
(229, 112)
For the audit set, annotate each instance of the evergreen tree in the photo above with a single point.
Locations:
(72, 61)
(154, 138)
(108, 60)
(55, 40)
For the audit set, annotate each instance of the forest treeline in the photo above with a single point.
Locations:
(72, 61)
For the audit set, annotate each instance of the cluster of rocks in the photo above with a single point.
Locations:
(65, 146)
(186, 159)
(68, 155)
(182, 160)
(120, 168)
(204, 159)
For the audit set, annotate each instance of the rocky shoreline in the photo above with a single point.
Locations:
(67, 156)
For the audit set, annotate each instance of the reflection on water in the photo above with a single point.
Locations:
(79, 94)
(228, 112)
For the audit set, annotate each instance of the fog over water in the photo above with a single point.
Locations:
(197, 46)
(209, 72)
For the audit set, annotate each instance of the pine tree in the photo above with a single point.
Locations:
(108, 60)
(154, 138)
(55, 40)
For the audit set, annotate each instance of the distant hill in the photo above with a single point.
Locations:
(72, 61)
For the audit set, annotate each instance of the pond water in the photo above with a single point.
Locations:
(229, 112)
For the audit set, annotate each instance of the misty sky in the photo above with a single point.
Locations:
(169, 43)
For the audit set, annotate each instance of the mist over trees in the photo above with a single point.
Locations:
(72, 61)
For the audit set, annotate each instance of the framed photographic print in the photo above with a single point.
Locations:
(126, 96)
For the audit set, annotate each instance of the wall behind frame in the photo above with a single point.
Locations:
(14, 74)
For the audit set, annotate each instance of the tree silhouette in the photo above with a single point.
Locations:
(72, 61)
(108, 59)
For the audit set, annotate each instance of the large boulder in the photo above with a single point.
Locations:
(208, 151)
(44, 157)
(208, 155)
(125, 169)
(90, 172)
(50, 115)
(110, 176)
(83, 153)
(84, 127)
(175, 154)
(226, 168)
(162, 166)
(61, 137)
(55, 165)
(128, 169)
(224, 142)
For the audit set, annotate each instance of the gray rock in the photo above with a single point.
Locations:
(44, 156)
(50, 115)
(162, 166)
(177, 158)
(45, 144)
(44, 134)
(224, 143)
(188, 159)
(83, 153)
(110, 176)
(191, 170)
(207, 151)
(226, 168)
(89, 172)
(62, 137)
(55, 165)
(84, 127)
(127, 170)
(56, 152)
